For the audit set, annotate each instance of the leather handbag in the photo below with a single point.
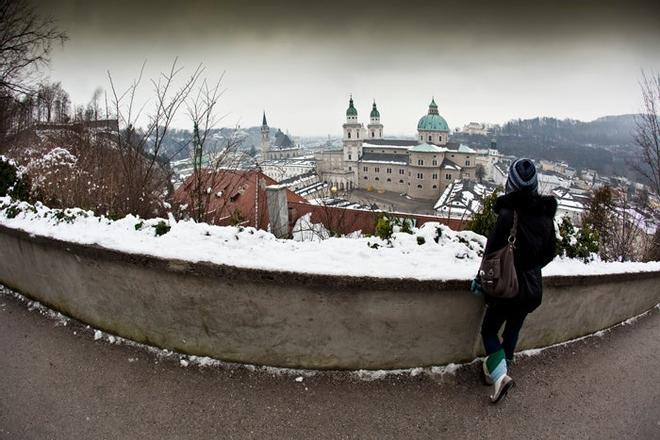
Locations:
(497, 271)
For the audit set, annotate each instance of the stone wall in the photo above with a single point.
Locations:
(296, 320)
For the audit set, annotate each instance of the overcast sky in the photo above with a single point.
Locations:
(482, 61)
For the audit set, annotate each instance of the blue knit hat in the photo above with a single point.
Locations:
(522, 176)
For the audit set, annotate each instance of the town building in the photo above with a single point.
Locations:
(475, 128)
(421, 168)
(462, 199)
(281, 169)
(234, 197)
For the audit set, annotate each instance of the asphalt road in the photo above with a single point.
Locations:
(57, 382)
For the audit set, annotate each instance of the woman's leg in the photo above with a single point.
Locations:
(490, 327)
(514, 323)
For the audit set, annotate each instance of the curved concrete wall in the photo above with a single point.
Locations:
(296, 320)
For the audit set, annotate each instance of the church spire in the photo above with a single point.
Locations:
(264, 123)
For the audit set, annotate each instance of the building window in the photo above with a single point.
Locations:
(349, 134)
(357, 134)
(419, 186)
(389, 180)
(435, 162)
(401, 181)
(435, 176)
(467, 163)
(365, 169)
(372, 134)
(349, 157)
(435, 186)
(377, 169)
(366, 178)
(452, 155)
(429, 138)
(350, 169)
(420, 175)
(401, 172)
(448, 176)
(420, 162)
(389, 171)
(420, 137)
(376, 178)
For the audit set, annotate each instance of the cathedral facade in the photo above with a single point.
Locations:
(421, 168)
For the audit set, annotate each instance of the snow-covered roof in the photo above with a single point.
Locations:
(396, 159)
(465, 149)
(462, 196)
(427, 148)
(449, 165)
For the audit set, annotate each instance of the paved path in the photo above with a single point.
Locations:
(56, 382)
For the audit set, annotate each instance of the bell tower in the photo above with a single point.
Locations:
(375, 128)
(265, 138)
(353, 135)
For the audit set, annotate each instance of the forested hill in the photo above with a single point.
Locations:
(605, 144)
(602, 132)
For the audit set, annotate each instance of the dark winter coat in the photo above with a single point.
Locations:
(535, 244)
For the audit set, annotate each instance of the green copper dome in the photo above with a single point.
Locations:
(374, 111)
(432, 121)
(351, 111)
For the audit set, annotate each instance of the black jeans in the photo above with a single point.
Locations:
(494, 318)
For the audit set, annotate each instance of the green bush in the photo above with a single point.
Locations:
(161, 228)
(11, 183)
(384, 228)
(581, 243)
(405, 225)
(483, 222)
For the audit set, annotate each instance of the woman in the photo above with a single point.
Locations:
(534, 248)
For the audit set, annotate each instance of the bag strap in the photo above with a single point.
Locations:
(514, 228)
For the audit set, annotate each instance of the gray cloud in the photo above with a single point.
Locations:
(299, 60)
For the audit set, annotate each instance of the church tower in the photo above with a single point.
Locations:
(375, 128)
(353, 134)
(265, 138)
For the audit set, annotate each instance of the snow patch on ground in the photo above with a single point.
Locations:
(60, 319)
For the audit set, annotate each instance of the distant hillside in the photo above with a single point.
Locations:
(605, 144)
(177, 143)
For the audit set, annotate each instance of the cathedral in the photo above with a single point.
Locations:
(421, 168)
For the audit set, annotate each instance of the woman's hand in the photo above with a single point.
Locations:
(475, 287)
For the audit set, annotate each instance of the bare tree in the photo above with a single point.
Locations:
(147, 180)
(25, 43)
(52, 102)
(216, 175)
(647, 135)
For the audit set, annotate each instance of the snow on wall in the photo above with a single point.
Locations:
(444, 254)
